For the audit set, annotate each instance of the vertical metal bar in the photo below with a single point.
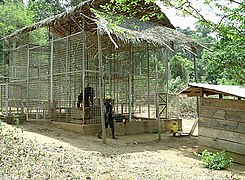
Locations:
(117, 84)
(130, 84)
(39, 79)
(110, 74)
(7, 99)
(114, 81)
(148, 81)
(66, 75)
(101, 87)
(83, 71)
(27, 84)
(157, 96)
(167, 91)
(52, 78)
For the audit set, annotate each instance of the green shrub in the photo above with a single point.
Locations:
(216, 161)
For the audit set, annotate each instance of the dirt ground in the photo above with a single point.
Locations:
(129, 157)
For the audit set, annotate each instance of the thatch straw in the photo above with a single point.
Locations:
(132, 30)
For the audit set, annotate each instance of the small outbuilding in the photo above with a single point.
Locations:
(221, 123)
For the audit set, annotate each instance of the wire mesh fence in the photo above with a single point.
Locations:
(60, 81)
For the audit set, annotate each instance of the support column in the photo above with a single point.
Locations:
(167, 84)
(193, 54)
(130, 84)
(83, 72)
(52, 78)
(27, 84)
(195, 74)
(101, 84)
(66, 75)
(148, 82)
(7, 99)
(157, 96)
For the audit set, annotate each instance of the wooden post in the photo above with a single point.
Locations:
(201, 90)
(101, 89)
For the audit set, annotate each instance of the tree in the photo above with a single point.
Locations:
(13, 15)
(180, 67)
(225, 64)
(45, 8)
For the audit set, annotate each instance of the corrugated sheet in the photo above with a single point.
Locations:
(209, 89)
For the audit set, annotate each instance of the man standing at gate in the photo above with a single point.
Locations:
(108, 117)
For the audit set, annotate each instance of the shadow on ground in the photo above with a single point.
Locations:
(186, 146)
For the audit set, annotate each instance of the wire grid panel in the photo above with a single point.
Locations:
(144, 85)
(173, 105)
(18, 63)
(17, 86)
(67, 75)
(4, 99)
(39, 83)
(16, 98)
(116, 80)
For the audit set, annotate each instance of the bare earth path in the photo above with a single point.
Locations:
(129, 157)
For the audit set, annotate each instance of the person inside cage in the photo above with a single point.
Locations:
(108, 110)
(88, 97)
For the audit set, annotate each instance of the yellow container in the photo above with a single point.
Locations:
(174, 127)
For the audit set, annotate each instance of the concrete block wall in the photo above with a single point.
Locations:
(134, 127)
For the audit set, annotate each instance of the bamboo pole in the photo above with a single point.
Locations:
(101, 89)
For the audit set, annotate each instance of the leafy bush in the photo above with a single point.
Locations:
(216, 161)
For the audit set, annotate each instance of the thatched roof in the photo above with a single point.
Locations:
(210, 89)
(70, 22)
(132, 30)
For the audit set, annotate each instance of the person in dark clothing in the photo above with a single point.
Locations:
(88, 97)
(108, 117)
(80, 99)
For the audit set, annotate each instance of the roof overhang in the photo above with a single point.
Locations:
(70, 22)
(194, 89)
(132, 30)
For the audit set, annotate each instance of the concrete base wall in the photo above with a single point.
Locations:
(134, 127)
(11, 120)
